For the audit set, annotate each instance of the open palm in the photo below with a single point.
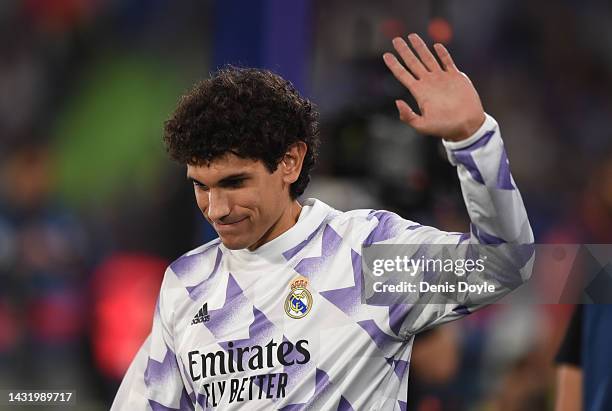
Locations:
(449, 104)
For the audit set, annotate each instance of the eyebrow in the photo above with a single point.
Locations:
(226, 179)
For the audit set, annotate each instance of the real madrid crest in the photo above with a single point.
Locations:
(299, 301)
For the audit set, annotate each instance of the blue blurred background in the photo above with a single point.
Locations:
(92, 210)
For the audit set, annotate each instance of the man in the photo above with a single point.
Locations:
(271, 315)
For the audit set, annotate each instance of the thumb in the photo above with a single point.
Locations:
(406, 114)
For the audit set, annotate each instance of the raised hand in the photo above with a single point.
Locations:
(449, 104)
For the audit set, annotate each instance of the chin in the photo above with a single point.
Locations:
(234, 243)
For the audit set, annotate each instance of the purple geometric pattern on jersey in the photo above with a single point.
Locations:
(157, 312)
(186, 401)
(389, 225)
(187, 263)
(481, 142)
(466, 159)
(295, 372)
(190, 387)
(261, 332)
(431, 275)
(397, 314)
(403, 406)
(293, 251)
(313, 266)
(235, 307)
(484, 237)
(321, 381)
(197, 291)
(504, 180)
(155, 406)
(515, 257)
(201, 399)
(382, 340)
(514, 260)
(348, 299)
(464, 156)
(322, 384)
(158, 373)
(462, 237)
(413, 227)
(399, 366)
(344, 405)
(184, 405)
(525, 252)
(461, 309)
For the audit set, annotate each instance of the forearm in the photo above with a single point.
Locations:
(493, 201)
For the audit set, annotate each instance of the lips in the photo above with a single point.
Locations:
(228, 226)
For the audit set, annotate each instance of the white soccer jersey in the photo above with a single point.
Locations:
(284, 327)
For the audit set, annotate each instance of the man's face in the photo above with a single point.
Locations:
(241, 199)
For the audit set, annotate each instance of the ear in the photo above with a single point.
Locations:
(291, 163)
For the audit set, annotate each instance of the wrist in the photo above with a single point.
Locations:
(489, 125)
(467, 129)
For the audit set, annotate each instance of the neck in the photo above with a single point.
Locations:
(288, 219)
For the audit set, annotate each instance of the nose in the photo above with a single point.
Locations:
(218, 205)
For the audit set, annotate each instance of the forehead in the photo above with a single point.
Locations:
(227, 165)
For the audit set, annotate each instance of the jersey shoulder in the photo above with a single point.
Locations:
(199, 262)
(368, 226)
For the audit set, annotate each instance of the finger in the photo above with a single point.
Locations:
(399, 71)
(406, 114)
(445, 57)
(423, 52)
(411, 61)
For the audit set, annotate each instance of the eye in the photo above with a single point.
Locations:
(235, 183)
(199, 185)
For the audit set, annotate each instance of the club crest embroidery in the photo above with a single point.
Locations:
(299, 301)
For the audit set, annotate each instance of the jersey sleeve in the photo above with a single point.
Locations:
(153, 380)
(498, 223)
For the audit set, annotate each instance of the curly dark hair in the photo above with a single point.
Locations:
(250, 112)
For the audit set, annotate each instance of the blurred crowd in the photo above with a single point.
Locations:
(92, 211)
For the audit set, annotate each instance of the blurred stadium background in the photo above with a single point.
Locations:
(91, 210)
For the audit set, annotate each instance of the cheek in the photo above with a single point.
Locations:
(249, 200)
(272, 199)
(201, 199)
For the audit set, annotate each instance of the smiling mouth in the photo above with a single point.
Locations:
(228, 225)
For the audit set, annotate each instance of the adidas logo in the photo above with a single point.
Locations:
(202, 315)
